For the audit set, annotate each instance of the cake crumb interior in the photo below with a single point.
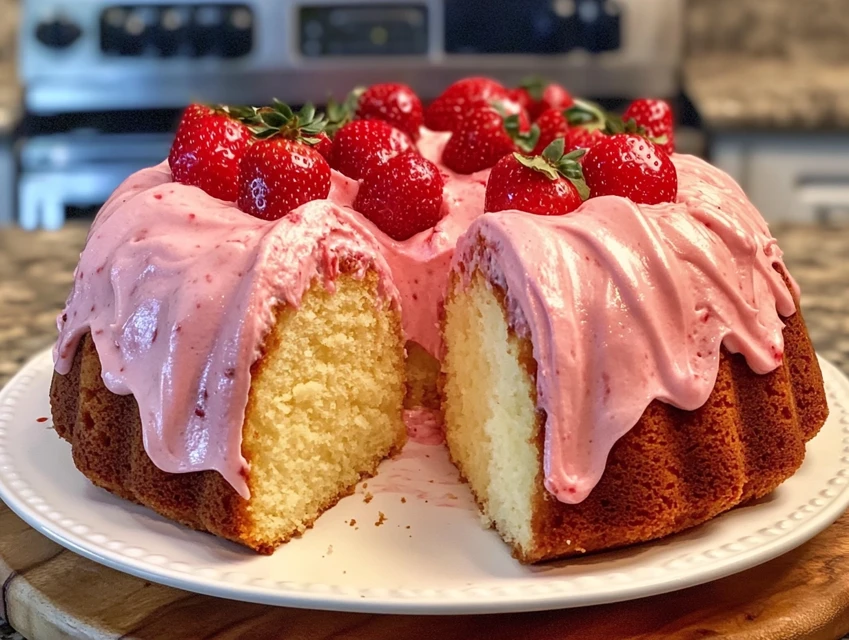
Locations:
(489, 403)
(325, 406)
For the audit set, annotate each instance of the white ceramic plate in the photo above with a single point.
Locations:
(430, 553)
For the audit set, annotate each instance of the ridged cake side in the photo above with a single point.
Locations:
(105, 434)
(675, 469)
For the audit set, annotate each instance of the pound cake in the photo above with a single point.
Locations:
(250, 319)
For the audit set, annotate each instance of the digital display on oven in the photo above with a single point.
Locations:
(363, 30)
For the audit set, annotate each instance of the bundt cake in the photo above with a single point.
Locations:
(615, 343)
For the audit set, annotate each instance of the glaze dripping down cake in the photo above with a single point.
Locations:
(607, 326)
(675, 382)
(242, 376)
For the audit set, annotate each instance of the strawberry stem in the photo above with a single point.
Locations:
(535, 86)
(524, 140)
(553, 163)
(280, 120)
(341, 113)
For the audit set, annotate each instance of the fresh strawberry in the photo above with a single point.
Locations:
(582, 138)
(196, 111)
(403, 196)
(537, 95)
(282, 170)
(396, 104)
(550, 184)
(552, 125)
(448, 111)
(629, 165)
(655, 116)
(485, 137)
(279, 175)
(324, 145)
(362, 145)
(206, 151)
(522, 97)
(588, 123)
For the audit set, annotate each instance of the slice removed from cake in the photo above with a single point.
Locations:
(324, 409)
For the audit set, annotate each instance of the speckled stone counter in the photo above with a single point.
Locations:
(768, 64)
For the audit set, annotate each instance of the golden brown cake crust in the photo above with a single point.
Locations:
(676, 469)
(105, 433)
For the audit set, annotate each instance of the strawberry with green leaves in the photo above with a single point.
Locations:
(486, 136)
(536, 94)
(550, 184)
(588, 123)
(207, 149)
(283, 169)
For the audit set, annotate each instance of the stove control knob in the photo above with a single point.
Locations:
(57, 32)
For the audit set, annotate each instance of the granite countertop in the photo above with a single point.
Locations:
(36, 273)
(768, 64)
(768, 94)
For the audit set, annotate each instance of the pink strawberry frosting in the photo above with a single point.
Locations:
(178, 290)
(628, 303)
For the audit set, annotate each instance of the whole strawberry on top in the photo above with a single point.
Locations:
(485, 136)
(450, 109)
(536, 94)
(207, 149)
(631, 166)
(655, 116)
(394, 103)
(552, 124)
(550, 184)
(588, 123)
(283, 169)
(362, 145)
(403, 196)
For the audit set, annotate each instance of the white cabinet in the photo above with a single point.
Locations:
(799, 177)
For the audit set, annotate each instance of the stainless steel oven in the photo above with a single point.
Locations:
(104, 81)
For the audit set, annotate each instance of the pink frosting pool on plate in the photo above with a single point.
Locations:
(629, 303)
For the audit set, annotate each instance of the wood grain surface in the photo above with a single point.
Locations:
(51, 593)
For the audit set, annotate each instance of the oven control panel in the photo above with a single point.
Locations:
(362, 30)
(192, 30)
(78, 55)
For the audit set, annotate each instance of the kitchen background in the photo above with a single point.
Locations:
(90, 90)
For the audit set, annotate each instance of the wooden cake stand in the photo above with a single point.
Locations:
(51, 593)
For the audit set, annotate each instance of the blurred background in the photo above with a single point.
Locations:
(91, 90)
